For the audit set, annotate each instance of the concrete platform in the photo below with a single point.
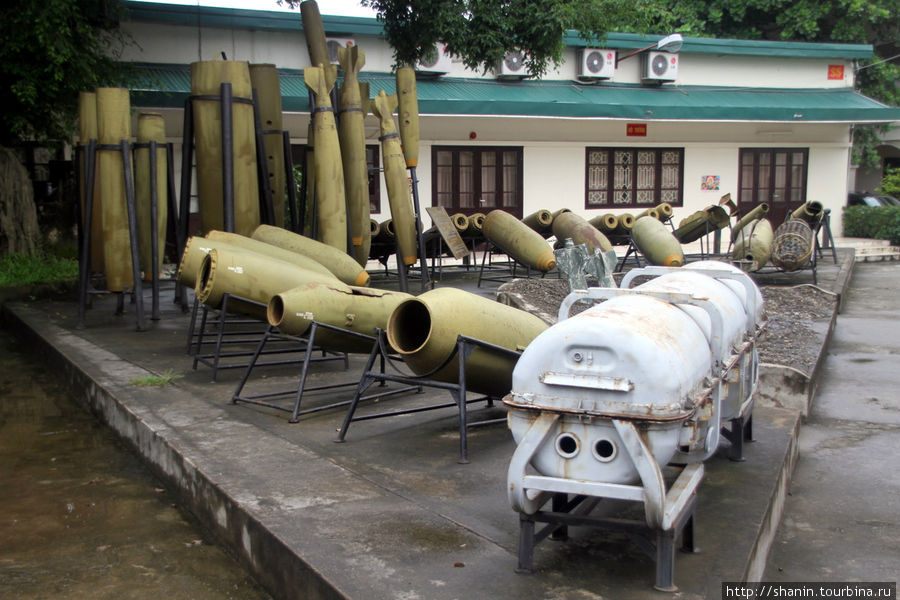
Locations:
(390, 513)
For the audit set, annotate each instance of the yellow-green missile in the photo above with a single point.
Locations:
(570, 225)
(340, 263)
(606, 223)
(386, 232)
(330, 199)
(301, 260)
(356, 309)
(395, 177)
(664, 210)
(206, 80)
(408, 114)
(753, 245)
(113, 126)
(197, 247)
(650, 212)
(755, 214)
(518, 240)
(540, 221)
(265, 80)
(702, 222)
(250, 275)
(316, 44)
(87, 131)
(793, 245)
(423, 330)
(626, 222)
(151, 127)
(811, 212)
(460, 222)
(657, 243)
(353, 152)
(475, 227)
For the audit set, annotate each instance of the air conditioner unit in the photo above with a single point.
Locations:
(438, 65)
(659, 67)
(596, 63)
(512, 66)
(332, 43)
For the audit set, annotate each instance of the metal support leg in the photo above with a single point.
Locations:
(133, 233)
(526, 544)
(665, 561)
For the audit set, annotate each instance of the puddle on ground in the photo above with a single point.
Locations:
(81, 516)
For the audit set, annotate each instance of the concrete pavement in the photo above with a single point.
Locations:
(390, 513)
(841, 518)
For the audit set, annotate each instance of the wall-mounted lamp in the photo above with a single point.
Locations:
(670, 43)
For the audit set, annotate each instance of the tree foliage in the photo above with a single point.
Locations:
(875, 22)
(481, 32)
(52, 50)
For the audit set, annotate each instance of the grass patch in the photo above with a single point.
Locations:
(155, 380)
(17, 269)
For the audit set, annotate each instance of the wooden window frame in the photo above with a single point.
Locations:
(478, 154)
(610, 177)
(753, 188)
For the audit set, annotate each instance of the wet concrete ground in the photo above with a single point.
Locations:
(840, 521)
(80, 514)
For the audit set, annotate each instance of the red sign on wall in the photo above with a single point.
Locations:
(835, 72)
(636, 129)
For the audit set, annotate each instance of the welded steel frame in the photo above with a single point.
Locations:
(84, 259)
(669, 509)
(266, 399)
(505, 272)
(464, 347)
(226, 100)
(228, 332)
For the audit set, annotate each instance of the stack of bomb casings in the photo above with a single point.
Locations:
(105, 120)
(601, 402)
(300, 280)
(339, 178)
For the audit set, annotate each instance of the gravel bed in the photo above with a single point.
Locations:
(793, 337)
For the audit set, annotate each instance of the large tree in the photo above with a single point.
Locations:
(52, 50)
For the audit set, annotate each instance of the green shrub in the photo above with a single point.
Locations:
(890, 185)
(878, 222)
(43, 267)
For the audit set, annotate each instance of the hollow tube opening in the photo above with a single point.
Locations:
(275, 311)
(567, 445)
(409, 326)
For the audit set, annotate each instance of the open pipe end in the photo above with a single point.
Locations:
(409, 326)
(275, 311)
(206, 276)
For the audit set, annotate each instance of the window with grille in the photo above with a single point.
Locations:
(471, 179)
(633, 177)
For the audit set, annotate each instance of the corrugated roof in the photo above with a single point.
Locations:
(169, 85)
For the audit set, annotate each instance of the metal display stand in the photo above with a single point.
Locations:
(233, 337)
(669, 507)
(505, 272)
(89, 155)
(266, 399)
(464, 347)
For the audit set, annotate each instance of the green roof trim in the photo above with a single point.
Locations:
(338, 26)
(169, 86)
(694, 45)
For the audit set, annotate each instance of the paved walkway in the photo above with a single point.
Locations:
(841, 519)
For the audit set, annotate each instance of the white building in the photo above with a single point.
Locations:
(765, 121)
